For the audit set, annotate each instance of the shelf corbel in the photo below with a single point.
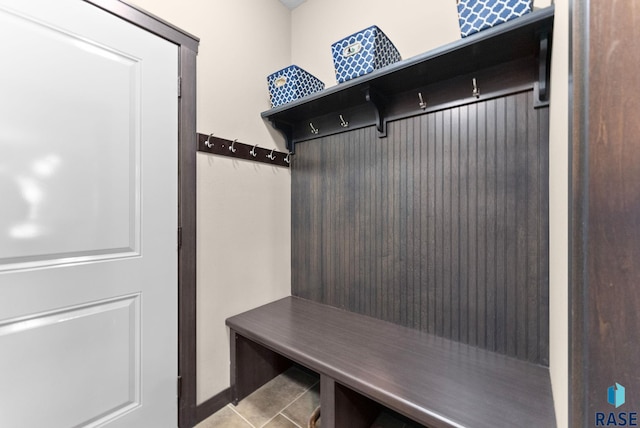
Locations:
(377, 100)
(286, 130)
(541, 87)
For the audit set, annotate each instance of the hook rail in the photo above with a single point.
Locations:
(232, 148)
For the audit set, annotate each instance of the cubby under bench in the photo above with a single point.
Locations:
(365, 362)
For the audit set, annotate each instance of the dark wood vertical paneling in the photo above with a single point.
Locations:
(536, 250)
(542, 259)
(377, 213)
(510, 213)
(368, 274)
(463, 243)
(352, 231)
(490, 225)
(522, 198)
(445, 223)
(481, 221)
(394, 148)
(504, 111)
(472, 217)
(439, 208)
(423, 232)
(416, 192)
(441, 226)
(454, 265)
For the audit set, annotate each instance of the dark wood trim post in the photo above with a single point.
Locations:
(578, 169)
(605, 207)
(187, 402)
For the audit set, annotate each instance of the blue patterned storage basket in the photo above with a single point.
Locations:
(291, 83)
(477, 15)
(363, 52)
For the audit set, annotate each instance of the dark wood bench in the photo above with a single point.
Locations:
(363, 361)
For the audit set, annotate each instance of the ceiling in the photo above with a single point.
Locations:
(292, 4)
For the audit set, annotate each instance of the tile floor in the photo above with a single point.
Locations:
(285, 402)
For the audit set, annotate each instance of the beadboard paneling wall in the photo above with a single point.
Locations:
(442, 226)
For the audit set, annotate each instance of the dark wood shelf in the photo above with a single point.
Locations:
(513, 55)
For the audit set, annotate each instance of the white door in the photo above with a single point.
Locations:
(88, 219)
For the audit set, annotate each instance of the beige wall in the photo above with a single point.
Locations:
(244, 235)
(243, 207)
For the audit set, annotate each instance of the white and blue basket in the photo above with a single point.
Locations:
(478, 15)
(290, 84)
(363, 52)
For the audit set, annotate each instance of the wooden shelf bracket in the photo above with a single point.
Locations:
(287, 131)
(541, 87)
(377, 100)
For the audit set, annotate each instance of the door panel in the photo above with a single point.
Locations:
(55, 196)
(88, 248)
(109, 357)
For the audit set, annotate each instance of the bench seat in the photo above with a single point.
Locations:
(433, 381)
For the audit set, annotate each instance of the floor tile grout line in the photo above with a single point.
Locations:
(267, 423)
(239, 414)
(290, 403)
(289, 419)
(307, 390)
